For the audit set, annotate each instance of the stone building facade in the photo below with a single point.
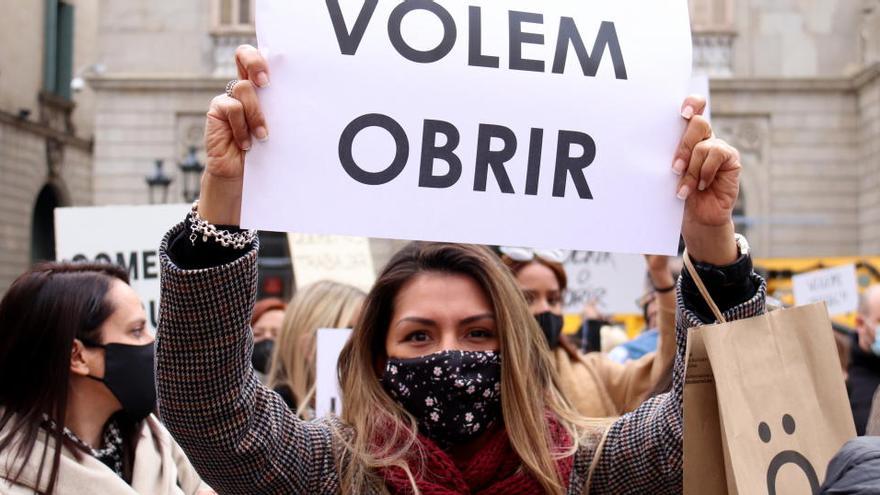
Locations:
(794, 85)
(45, 126)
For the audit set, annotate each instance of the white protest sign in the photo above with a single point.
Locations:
(330, 342)
(838, 287)
(700, 86)
(341, 259)
(613, 281)
(481, 121)
(128, 236)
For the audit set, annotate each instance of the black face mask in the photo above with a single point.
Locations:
(130, 374)
(454, 395)
(262, 356)
(551, 324)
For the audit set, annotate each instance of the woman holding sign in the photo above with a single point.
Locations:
(447, 385)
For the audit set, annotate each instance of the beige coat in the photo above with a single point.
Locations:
(160, 468)
(599, 387)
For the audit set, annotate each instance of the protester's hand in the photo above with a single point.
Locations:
(591, 311)
(233, 122)
(658, 270)
(657, 263)
(867, 335)
(709, 170)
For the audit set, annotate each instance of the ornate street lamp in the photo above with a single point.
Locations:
(158, 184)
(192, 175)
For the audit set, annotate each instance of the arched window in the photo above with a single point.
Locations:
(43, 225)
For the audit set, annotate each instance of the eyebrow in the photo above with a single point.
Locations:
(430, 322)
(473, 319)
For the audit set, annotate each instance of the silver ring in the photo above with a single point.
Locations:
(230, 86)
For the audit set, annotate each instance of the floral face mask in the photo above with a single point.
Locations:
(454, 395)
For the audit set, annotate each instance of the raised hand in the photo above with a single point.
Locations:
(709, 170)
(232, 124)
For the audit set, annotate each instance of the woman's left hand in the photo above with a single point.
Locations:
(709, 170)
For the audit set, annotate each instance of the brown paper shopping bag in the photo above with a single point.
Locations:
(765, 405)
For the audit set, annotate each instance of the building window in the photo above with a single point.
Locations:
(234, 15)
(713, 25)
(711, 15)
(58, 48)
(43, 225)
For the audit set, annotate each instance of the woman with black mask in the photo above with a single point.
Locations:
(446, 384)
(78, 389)
(594, 384)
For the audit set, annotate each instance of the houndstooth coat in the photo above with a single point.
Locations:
(242, 438)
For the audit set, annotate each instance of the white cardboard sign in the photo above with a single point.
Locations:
(330, 342)
(338, 258)
(613, 281)
(125, 235)
(838, 287)
(481, 121)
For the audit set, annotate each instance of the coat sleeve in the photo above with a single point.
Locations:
(240, 436)
(642, 452)
(626, 383)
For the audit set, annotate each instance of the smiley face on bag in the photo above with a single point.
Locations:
(786, 456)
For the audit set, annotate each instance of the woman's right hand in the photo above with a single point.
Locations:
(232, 124)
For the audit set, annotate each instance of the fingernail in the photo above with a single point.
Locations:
(684, 192)
(702, 186)
(262, 80)
(678, 166)
(688, 112)
(246, 145)
(261, 133)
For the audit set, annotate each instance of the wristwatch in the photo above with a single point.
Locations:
(742, 244)
(720, 276)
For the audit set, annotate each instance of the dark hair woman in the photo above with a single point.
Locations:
(594, 384)
(78, 387)
(447, 384)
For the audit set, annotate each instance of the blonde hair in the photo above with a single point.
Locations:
(381, 434)
(323, 304)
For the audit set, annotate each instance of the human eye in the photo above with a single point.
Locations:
(530, 296)
(138, 331)
(417, 336)
(481, 333)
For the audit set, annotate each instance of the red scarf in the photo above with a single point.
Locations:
(494, 470)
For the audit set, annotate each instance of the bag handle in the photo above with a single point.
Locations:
(702, 288)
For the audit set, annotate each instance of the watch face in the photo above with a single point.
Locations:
(742, 244)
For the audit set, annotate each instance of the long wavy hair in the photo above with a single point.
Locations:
(42, 313)
(379, 433)
(323, 304)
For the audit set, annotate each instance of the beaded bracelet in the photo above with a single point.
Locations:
(225, 238)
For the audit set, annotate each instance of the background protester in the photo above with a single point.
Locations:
(266, 324)
(658, 306)
(863, 376)
(323, 304)
(855, 470)
(446, 383)
(596, 385)
(78, 387)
